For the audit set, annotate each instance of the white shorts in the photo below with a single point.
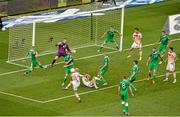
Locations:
(75, 84)
(87, 83)
(136, 45)
(170, 67)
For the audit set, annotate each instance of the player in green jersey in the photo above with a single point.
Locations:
(152, 64)
(134, 74)
(69, 64)
(103, 69)
(34, 61)
(109, 37)
(164, 43)
(123, 88)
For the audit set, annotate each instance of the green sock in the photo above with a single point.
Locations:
(154, 77)
(123, 107)
(103, 79)
(126, 107)
(133, 87)
(64, 79)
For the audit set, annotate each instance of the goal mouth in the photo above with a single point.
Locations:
(81, 30)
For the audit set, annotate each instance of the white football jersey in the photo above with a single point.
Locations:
(137, 35)
(171, 57)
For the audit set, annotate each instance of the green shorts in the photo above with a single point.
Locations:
(103, 71)
(124, 96)
(107, 40)
(68, 69)
(162, 48)
(153, 66)
(35, 63)
(133, 78)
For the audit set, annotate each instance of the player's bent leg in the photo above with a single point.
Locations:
(130, 52)
(54, 60)
(65, 78)
(174, 76)
(77, 95)
(101, 46)
(117, 47)
(140, 53)
(67, 87)
(154, 76)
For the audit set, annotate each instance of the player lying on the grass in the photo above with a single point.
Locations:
(152, 64)
(164, 43)
(69, 64)
(109, 37)
(137, 38)
(87, 82)
(75, 83)
(171, 64)
(63, 48)
(123, 88)
(134, 74)
(34, 61)
(104, 68)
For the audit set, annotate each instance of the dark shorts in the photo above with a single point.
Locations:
(60, 54)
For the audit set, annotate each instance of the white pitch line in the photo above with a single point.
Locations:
(21, 97)
(87, 92)
(12, 72)
(86, 57)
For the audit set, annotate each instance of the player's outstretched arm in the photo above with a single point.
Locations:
(103, 35)
(169, 43)
(147, 63)
(130, 90)
(119, 88)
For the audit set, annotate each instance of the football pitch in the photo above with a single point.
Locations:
(41, 94)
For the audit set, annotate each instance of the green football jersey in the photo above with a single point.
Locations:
(110, 33)
(164, 39)
(106, 62)
(135, 68)
(69, 59)
(124, 85)
(32, 54)
(155, 56)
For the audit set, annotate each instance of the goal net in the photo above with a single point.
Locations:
(81, 30)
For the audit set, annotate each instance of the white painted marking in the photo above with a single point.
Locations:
(18, 96)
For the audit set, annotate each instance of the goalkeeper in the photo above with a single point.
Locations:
(109, 37)
(63, 48)
(34, 61)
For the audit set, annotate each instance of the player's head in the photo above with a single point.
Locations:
(33, 47)
(64, 41)
(68, 52)
(171, 49)
(135, 62)
(163, 32)
(76, 69)
(124, 77)
(106, 54)
(154, 49)
(136, 29)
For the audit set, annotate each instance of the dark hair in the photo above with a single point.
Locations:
(136, 62)
(164, 31)
(136, 28)
(171, 48)
(124, 77)
(154, 47)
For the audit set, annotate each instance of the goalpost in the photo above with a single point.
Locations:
(82, 30)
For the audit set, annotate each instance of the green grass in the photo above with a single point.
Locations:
(160, 99)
